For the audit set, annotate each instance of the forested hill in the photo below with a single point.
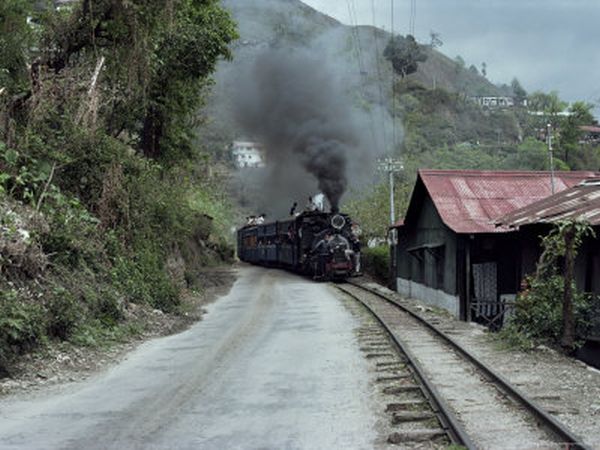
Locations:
(355, 52)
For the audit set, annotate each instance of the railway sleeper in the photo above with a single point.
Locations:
(423, 435)
(375, 343)
(370, 331)
(392, 370)
(393, 378)
(411, 416)
(379, 355)
(400, 361)
(406, 405)
(398, 390)
(371, 348)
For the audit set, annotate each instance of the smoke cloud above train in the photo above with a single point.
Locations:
(290, 102)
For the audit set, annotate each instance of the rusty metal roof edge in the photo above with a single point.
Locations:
(564, 205)
(537, 173)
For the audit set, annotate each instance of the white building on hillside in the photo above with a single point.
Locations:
(247, 154)
(494, 101)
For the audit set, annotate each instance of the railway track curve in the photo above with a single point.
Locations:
(478, 407)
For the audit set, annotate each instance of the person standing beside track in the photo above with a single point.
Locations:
(322, 251)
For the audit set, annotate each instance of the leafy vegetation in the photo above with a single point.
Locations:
(446, 130)
(405, 54)
(549, 309)
(376, 262)
(98, 178)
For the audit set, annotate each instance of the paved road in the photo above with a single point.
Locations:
(274, 364)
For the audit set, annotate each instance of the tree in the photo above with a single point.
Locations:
(563, 242)
(405, 54)
(571, 133)
(435, 40)
(550, 308)
(532, 154)
(15, 35)
(15, 40)
(518, 91)
(370, 208)
(158, 62)
(187, 52)
(549, 103)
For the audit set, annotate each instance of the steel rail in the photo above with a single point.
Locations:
(450, 424)
(559, 430)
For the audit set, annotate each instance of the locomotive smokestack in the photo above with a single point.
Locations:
(292, 105)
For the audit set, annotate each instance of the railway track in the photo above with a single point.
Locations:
(475, 406)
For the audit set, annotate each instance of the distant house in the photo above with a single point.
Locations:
(591, 134)
(247, 154)
(497, 101)
(450, 254)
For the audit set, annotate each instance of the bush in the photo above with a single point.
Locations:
(376, 262)
(538, 314)
(21, 325)
(64, 313)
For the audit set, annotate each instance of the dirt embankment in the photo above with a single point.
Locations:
(61, 362)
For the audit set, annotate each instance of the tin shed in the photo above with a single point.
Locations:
(450, 254)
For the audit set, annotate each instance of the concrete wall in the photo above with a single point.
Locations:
(429, 296)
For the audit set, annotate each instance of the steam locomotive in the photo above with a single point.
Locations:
(316, 243)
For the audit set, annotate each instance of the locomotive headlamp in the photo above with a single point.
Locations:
(338, 222)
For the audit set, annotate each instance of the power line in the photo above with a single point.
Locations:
(379, 78)
(394, 78)
(361, 66)
(413, 17)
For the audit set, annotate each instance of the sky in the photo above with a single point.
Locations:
(547, 44)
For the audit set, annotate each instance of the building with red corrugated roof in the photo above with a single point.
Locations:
(580, 203)
(451, 254)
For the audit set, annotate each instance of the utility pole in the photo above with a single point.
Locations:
(391, 166)
(549, 140)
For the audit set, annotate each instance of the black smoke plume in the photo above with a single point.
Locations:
(290, 102)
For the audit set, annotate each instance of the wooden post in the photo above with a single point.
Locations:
(568, 337)
(468, 278)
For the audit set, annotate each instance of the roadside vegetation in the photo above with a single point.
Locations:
(103, 202)
(376, 262)
(549, 309)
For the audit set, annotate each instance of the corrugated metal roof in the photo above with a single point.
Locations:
(590, 128)
(581, 202)
(468, 201)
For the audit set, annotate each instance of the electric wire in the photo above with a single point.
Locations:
(413, 17)
(361, 68)
(394, 79)
(382, 108)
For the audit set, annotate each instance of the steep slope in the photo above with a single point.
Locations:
(354, 60)
(355, 52)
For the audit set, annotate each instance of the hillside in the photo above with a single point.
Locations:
(355, 62)
(108, 206)
(265, 24)
(436, 124)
